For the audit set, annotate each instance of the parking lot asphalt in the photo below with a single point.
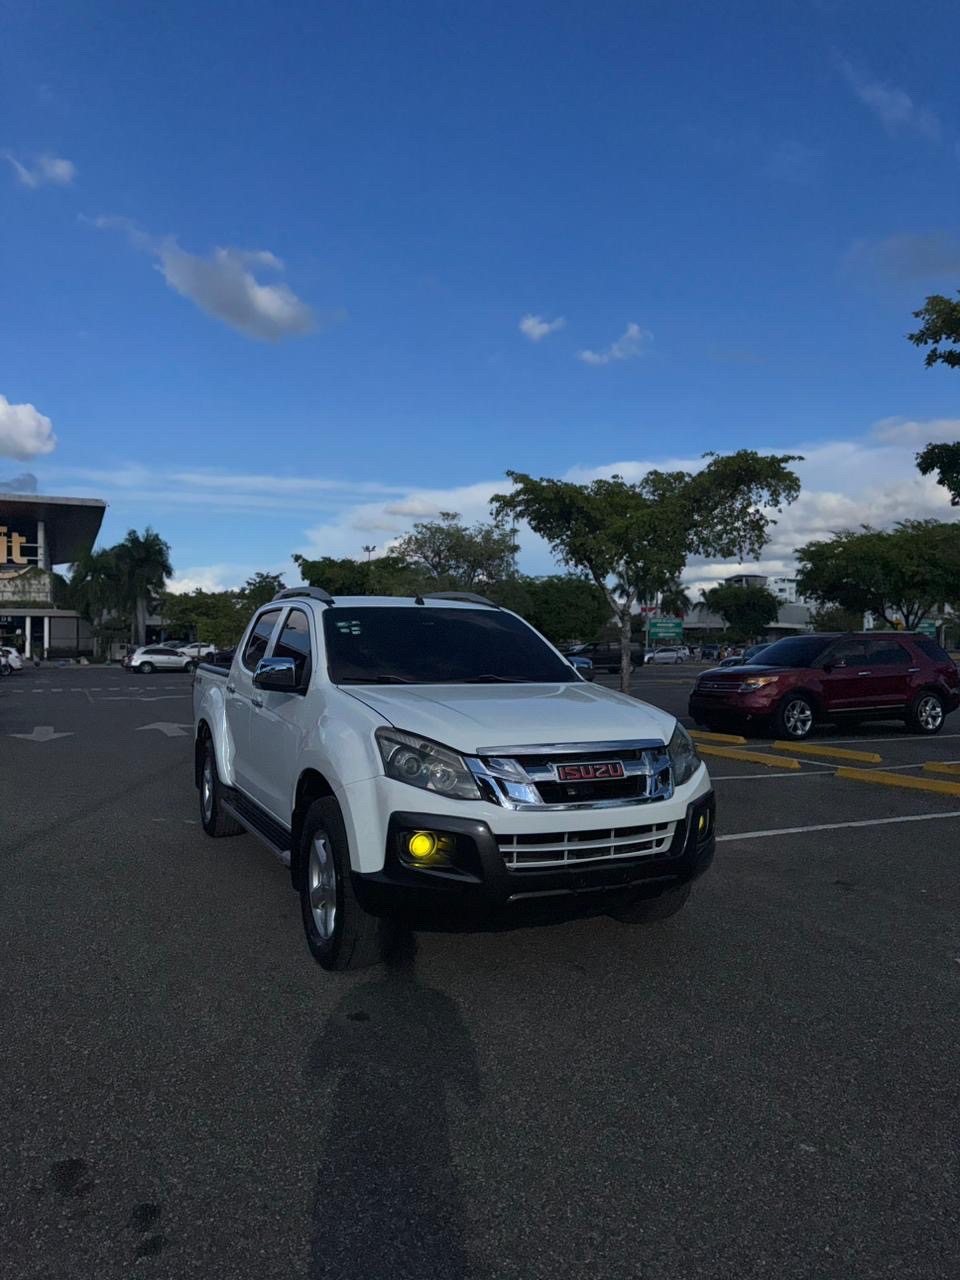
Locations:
(765, 1085)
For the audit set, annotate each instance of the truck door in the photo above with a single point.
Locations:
(278, 723)
(240, 696)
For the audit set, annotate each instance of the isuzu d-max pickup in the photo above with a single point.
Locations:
(435, 760)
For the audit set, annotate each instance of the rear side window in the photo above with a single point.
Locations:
(256, 646)
(887, 652)
(851, 653)
(294, 642)
(929, 646)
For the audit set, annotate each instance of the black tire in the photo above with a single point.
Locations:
(190, 666)
(927, 713)
(146, 667)
(649, 910)
(795, 718)
(214, 820)
(339, 933)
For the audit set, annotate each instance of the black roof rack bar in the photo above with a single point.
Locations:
(312, 593)
(467, 597)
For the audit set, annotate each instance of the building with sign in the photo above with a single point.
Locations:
(36, 535)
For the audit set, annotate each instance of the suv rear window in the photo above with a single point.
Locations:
(427, 645)
(929, 646)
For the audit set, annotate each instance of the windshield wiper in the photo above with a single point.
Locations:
(489, 678)
(377, 680)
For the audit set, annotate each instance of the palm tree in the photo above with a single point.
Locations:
(674, 599)
(95, 586)
(143, 562)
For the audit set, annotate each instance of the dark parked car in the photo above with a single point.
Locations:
(799, 681)
(605, 656)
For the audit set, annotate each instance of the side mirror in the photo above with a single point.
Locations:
(278, 674)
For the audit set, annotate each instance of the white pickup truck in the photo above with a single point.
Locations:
(435, 760)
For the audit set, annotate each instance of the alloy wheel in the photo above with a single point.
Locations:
(930, 713)
(798, 718)
(206, 790)
(322, 885)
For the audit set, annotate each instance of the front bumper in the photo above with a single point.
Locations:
(743, 707)
(478, 885)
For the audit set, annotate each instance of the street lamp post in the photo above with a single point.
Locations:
(369, 550)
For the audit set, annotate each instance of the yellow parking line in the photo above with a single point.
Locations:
(899, 780)
(752, 757)
(933, 766)
(817, 749)
(703, 736)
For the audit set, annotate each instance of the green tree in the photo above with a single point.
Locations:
(455, 555)
(260, 589)
(96, 585)
(387, 576)
(143, 565)
(832, 618)
(214, 617)
(641, 534)
(898, 574)
(941, 324)
(674, 599)
(747, 611)
(566, 608)
(944, 459)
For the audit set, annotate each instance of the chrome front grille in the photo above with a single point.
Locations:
(530, 777)
(560, 849)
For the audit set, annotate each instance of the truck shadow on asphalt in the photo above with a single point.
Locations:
(387, 1200)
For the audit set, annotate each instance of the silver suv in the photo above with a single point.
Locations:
(158, 657)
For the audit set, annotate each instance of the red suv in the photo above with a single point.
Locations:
(801, 680)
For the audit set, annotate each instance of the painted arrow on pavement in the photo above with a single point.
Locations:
(167, 727)
(42, 733)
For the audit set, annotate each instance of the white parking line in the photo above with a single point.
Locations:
(837, 826)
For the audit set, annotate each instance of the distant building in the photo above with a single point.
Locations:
(36, 535)
(783, 588)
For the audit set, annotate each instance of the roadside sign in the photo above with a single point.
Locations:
(665, 629)
(927, 627)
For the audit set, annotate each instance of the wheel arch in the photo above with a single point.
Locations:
(199, 746)
(311, 785)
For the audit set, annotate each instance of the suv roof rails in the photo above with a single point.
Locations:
(313, 593)
(467, 597)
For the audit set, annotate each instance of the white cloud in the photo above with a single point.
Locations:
(46, 171)
(912, 256)
(633, 342)
(225, 285)
(900, 431)
(24, 432)
(537, 327)
(893, 107)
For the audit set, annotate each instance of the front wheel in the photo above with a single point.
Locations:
(146, 667)
(649, 910)
(795, 718)
(190, 666)
(927, 714)
(339, 933)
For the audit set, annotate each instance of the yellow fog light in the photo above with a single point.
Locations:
(423, 845)
(703, 824)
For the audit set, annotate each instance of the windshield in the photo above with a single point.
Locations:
(794, 651)
(437, 646)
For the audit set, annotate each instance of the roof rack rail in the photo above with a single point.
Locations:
(467, 597)
(312, 593)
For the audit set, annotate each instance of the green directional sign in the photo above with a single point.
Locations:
(927, 627)
(659, 629)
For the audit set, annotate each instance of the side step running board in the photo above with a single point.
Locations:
(253, 819)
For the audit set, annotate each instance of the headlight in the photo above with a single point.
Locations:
(683, 756)
(756, 682)
(426, 764)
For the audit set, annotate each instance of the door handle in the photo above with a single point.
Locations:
(231, 688)
(257, 700)
(864, 673)
(912, 671)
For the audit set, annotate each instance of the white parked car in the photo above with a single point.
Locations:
(197, 650)
(13, 659)
(158, 657)
(669, 654)
(436, 757)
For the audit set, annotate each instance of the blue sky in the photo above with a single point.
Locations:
(266, 267)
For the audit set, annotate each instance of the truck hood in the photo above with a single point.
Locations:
(476, 718)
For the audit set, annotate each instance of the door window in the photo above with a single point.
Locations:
(257, 644)
(884, 651)
(294, 642)
(850, 653)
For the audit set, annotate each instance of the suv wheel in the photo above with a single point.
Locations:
(795, 717)
(215, 822)
(146, 668)
(190, 666)
(340, 934)
(927, 714)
